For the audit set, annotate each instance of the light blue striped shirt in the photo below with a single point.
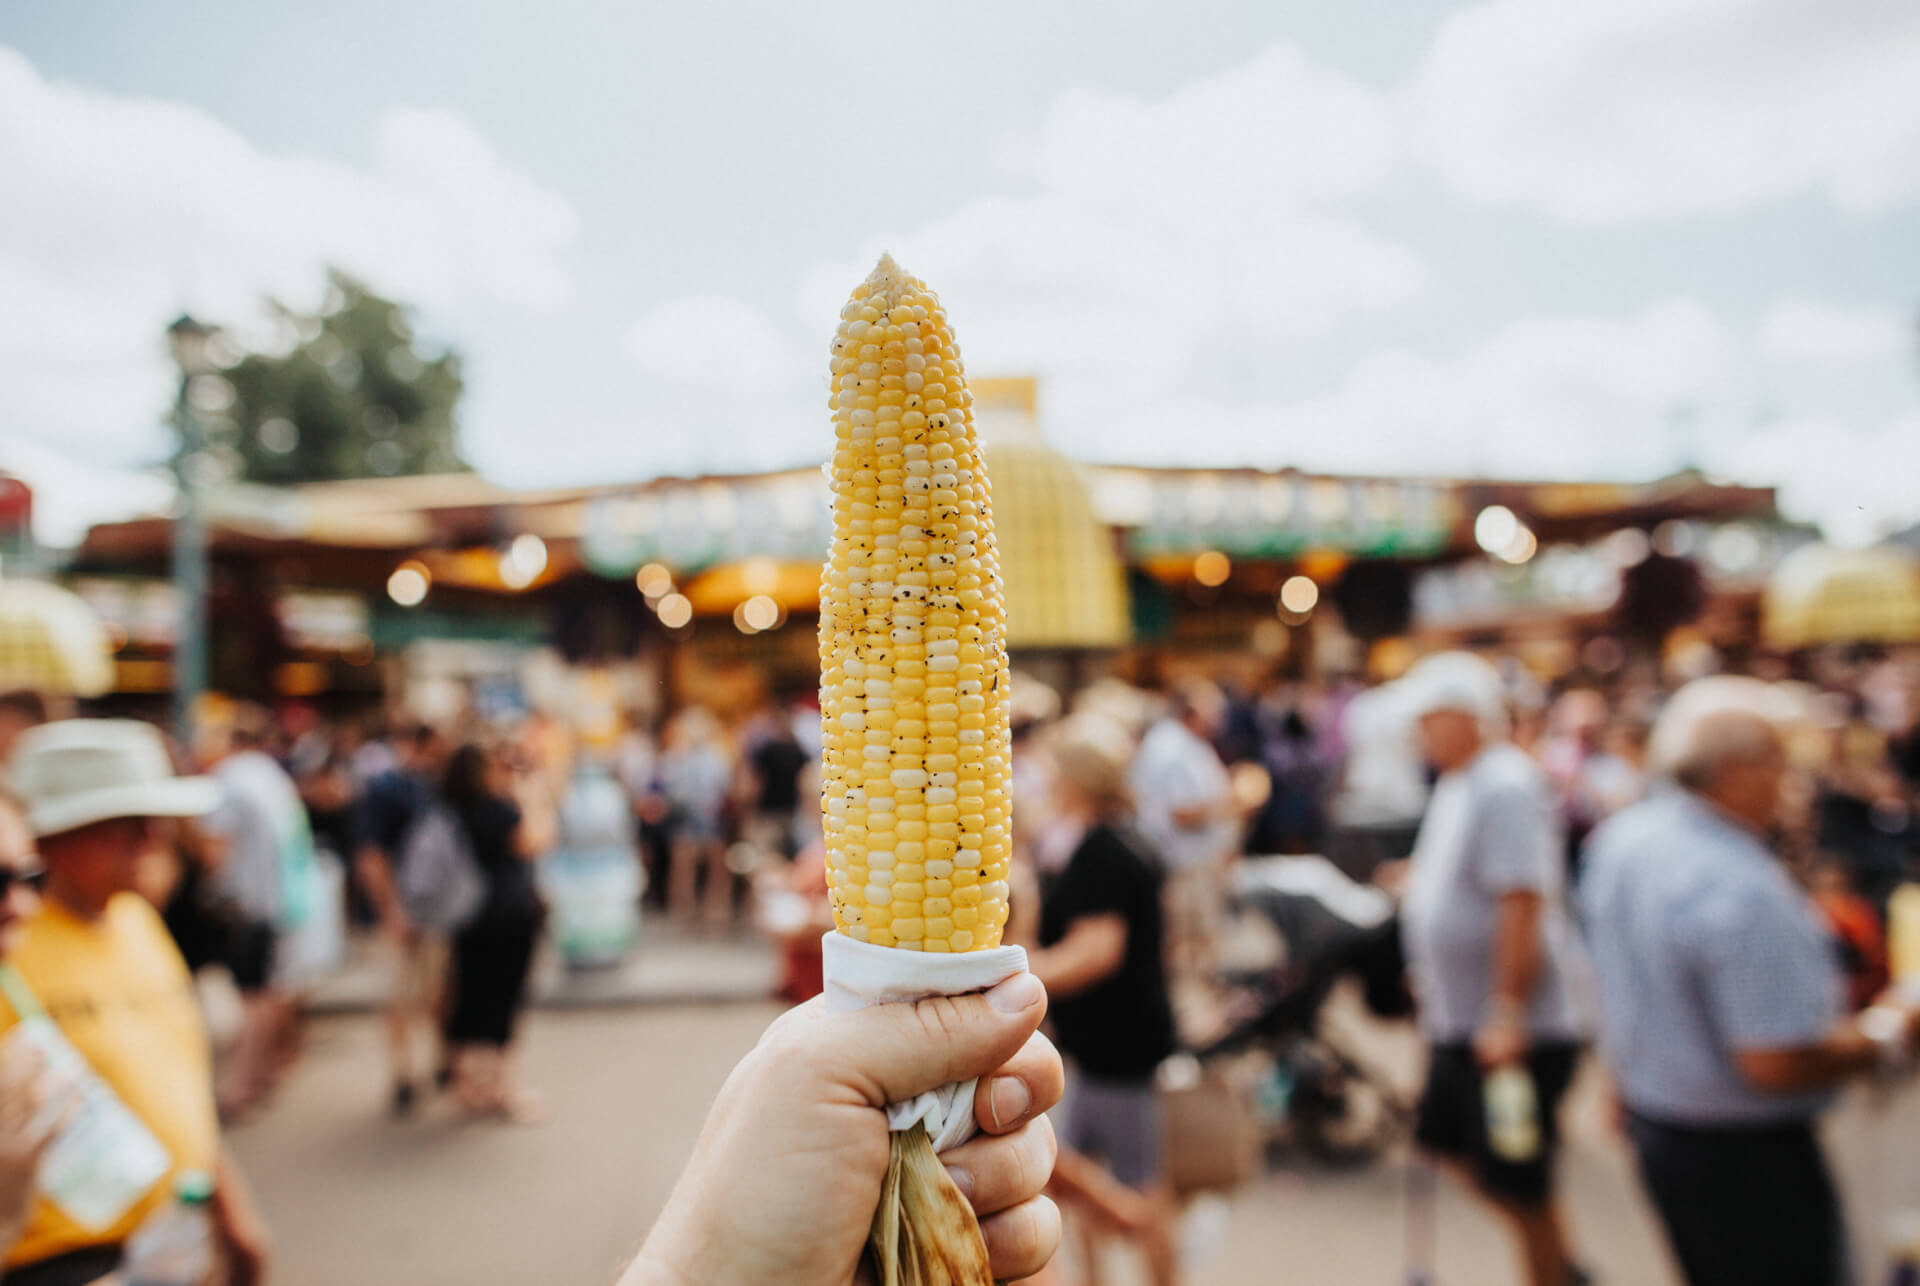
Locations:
(1703, 946)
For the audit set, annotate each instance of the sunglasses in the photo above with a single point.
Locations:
(33, 880)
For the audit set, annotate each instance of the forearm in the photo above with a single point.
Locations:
(376, 877)
(1092, 951)
(1516, 960)
(1063, 973)
(1846, 1052)
(647, 1269)
(236, 1214)
(232, 1196)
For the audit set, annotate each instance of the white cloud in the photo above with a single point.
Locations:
(1274, 133)
(1624, 397)
(1639, 109)
(1855, 478)
(72, 493)
(1159, 230)
(1157, 236)
(121, 211)
(1820, 334)
(1544, 397)
(715, 344)
(1166, 242)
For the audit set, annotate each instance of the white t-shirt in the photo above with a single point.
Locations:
(1175, 769)
(1382, 781)
(1490, 829)
(265, 826)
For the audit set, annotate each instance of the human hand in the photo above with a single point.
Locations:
(784, 1180)
(248, 1253)
(242, 1229)
(1892, 1022)
(1501, 1040)
(1391, 876)
(35, 1106)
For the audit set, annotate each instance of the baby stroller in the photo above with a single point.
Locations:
(1312, 1091)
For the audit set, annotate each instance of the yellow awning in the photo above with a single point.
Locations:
(51, 641)
(1820, 595)
(1064, 582)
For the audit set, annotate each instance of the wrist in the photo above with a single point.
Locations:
(650, 1268)
(1886, 1031)
(1504, 1011)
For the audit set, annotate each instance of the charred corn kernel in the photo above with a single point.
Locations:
(915, 794)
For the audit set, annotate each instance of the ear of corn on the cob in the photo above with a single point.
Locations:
(914, 690)
(914, 698)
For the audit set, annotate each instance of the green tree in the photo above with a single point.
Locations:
(354, 397)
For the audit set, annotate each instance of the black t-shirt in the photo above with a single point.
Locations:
(393, 802)
(490, 822)
(777, 763)
(1121, 1028)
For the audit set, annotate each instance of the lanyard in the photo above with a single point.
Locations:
(26, 1005)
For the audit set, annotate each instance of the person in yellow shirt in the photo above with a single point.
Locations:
(97, 961)
(31, 1102)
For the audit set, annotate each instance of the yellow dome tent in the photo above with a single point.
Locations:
(1065, 584)
(51, 641)
(1821, 595)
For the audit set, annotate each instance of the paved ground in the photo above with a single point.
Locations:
(357, 1198)
(672, 967)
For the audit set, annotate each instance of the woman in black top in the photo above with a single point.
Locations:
(1101, 957)
(493, 953)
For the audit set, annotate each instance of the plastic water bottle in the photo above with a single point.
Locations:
(1513, 1114)
(1903, 940)
(174, 1247)
(1903, 1237)
(105, 1159)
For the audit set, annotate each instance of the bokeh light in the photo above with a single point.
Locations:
(762, 613)
(524, 560)
(1299, 595)
(409, 583)
(654, 580)
(675, 611)
(1212, 568)
(1495, 528)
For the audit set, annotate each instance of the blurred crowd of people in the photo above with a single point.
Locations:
(1698, 883)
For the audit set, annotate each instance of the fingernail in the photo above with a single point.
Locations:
(1008, 1099)
(962, 1180)
(1017, 994)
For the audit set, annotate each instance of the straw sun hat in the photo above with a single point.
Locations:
(81, 771)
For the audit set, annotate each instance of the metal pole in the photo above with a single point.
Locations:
(189, 572)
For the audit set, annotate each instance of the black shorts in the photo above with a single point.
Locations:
(1752, 1206)
(251, 945)
(1453, 1118)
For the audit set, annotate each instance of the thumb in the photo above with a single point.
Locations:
(892, 1052)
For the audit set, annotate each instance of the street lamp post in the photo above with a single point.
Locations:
(189, 341)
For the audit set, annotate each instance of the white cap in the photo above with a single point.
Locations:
(1454, 681)
(81, 771)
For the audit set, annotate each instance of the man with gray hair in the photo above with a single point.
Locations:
(1722, 1016)
(1491, 950)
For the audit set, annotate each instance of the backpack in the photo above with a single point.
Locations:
(440, 882)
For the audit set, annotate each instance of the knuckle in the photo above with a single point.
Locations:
(941, 1016)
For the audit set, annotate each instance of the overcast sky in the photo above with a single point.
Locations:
(1512, 237)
